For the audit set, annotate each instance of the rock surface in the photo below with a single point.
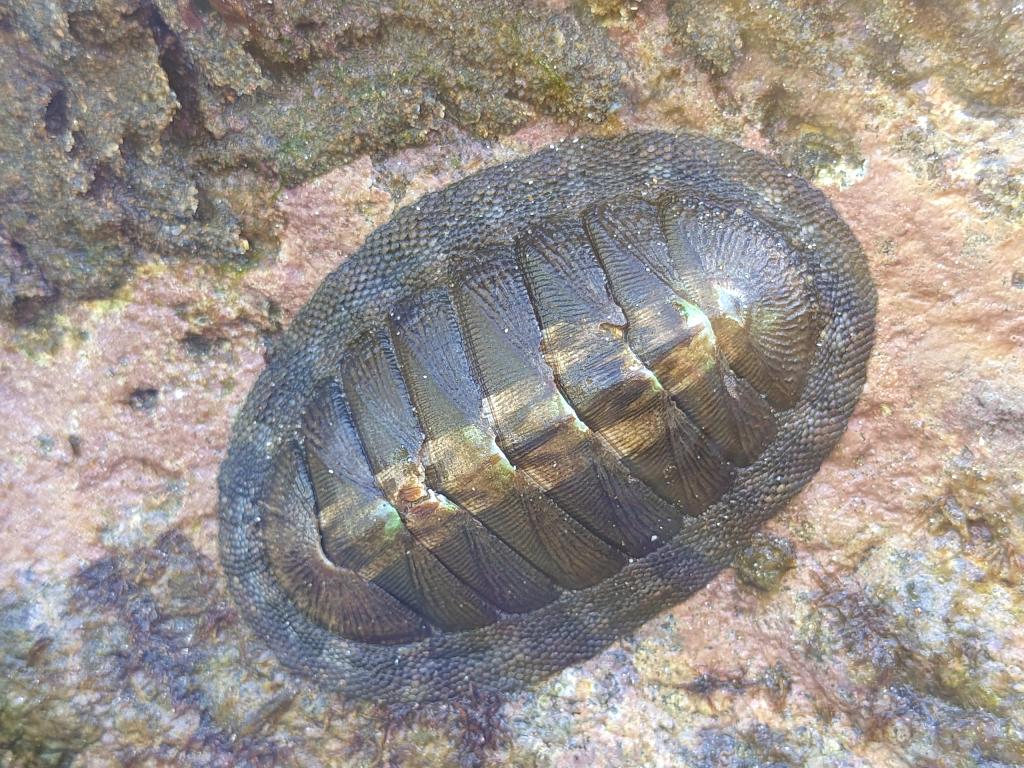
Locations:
(880, 620)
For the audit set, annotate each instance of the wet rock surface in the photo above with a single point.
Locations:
(178, 177)
(166, 129)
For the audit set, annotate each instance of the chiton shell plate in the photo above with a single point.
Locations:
(538, 407)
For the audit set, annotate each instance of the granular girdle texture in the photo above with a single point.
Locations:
(536, 408)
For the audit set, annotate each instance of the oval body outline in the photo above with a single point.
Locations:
(414, 249)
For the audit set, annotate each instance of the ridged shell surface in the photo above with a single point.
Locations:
(536, 408)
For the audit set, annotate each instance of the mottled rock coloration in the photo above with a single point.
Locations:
(896, 637)
(166, 129)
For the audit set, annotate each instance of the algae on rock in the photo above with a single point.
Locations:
(142, 129)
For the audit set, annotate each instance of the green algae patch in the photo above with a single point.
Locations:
(487, 67)
(765, 561)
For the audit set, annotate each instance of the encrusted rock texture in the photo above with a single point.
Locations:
(176, 177)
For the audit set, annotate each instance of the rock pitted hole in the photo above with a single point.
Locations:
(56, 117)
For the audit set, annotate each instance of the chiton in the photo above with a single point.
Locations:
(538, 407)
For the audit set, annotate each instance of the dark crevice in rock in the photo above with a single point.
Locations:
(144, 398)
(105, 180)
(32, 311)
(77, 142)
(206, 208)
(56, 118)
(204, 344)
(187, 122)
(26, 297)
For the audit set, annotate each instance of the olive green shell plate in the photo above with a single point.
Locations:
(516, 612)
